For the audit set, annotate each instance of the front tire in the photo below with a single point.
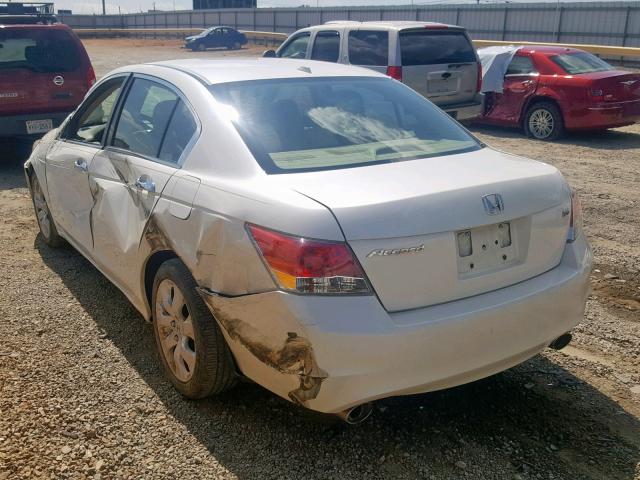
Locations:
(43, 215)
(192, 349)
(201, 47)
(543, 121)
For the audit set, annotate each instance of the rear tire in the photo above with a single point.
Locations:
(46, 225)
(235, 46)
(543, 121)
(191, 347)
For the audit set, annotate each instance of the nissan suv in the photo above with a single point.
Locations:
(437, 60)
(45, 73)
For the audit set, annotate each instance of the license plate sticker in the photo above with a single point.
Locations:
(39, 126)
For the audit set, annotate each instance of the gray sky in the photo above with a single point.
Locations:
(95, 6)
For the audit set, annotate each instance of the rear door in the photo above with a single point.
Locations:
(69, 160)
(42, 70)
(440, 64)
(145, 147)
(520, 82)
(369, 48)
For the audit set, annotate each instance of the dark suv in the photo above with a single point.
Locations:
(45, 73)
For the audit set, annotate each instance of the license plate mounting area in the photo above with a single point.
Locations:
(486, 249)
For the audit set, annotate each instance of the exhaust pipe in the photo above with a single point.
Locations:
(561, 342)
(358, 414)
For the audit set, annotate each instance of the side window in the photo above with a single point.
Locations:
(145, 116)
(369, 47)
(90, 122)
(296, 48)
(180, 131)
(520, 66)
(326, 46)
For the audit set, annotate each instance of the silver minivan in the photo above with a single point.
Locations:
(437, 60)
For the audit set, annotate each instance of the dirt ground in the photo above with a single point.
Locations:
(82, 395)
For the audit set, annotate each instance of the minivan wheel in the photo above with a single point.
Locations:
(43, 215)
(191, 347)
(543, 121)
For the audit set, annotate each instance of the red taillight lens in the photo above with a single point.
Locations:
(575, 223)
(91, 76)
(309, 266)
(479, 78)
(395, 72)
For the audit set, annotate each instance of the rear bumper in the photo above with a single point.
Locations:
(605, 115)
(331, 353)
(466, 111)
(15, 125)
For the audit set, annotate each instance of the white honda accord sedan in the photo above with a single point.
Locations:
(320, 229)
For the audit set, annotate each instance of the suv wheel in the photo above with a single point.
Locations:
(43, 215)
(191, 346)
(543, 121)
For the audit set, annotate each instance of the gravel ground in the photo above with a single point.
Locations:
(82, 395)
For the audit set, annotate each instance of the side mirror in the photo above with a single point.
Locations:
(269, 54)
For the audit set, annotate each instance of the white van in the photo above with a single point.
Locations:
(437, 60)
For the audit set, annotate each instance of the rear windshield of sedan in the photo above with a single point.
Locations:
(582, 62)
(38, 49)
(429, 47)
(294, 125)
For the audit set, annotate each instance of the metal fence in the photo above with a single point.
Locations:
(603, 23)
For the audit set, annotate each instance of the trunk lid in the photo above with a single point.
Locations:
(617, 85)
(405, 223)
(441, 64)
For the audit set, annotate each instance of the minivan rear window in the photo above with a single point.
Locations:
(428, 47)
(38, 49)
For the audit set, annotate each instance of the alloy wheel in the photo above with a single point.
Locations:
(541, 123)
(175, 330)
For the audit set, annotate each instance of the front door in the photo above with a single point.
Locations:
(520, 82)
(129, 175)
(69, 159)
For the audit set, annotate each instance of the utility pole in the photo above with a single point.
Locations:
(104, 8)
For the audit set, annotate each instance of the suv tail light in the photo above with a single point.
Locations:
(309, 266)
(479, 78)
(575, 223)
(395, 72)
(91, 76)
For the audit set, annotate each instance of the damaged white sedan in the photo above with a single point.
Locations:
(320, 229)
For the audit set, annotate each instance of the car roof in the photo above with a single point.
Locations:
(31, 26)
(391, 24)
(237, 70)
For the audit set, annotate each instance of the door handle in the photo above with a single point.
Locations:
(80, 164)
(144, 182)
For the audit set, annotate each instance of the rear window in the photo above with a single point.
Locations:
(293, 125)
(428, 47)
(581, 62)
(40, 50)
(369, 48)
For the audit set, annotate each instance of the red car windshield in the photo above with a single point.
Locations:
(581, 62)
(38, 49)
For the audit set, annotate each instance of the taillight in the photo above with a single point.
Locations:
(91, 76)
(596, 94)
(575, 223)
(395, 72)
(479, 78)
(309, 266)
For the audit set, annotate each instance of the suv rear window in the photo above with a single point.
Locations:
(427, 47)
(369, 47)
(38, 49)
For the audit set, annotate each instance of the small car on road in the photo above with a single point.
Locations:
(548, 90)
(216, 37)
(45, 73)
(436, 60)
(318, 228)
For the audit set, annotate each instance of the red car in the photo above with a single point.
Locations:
(548, 90)
(45, 73)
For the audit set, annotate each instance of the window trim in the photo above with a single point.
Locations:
(325, 33)
(190, 144)
(80, 110)
(293, 39)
